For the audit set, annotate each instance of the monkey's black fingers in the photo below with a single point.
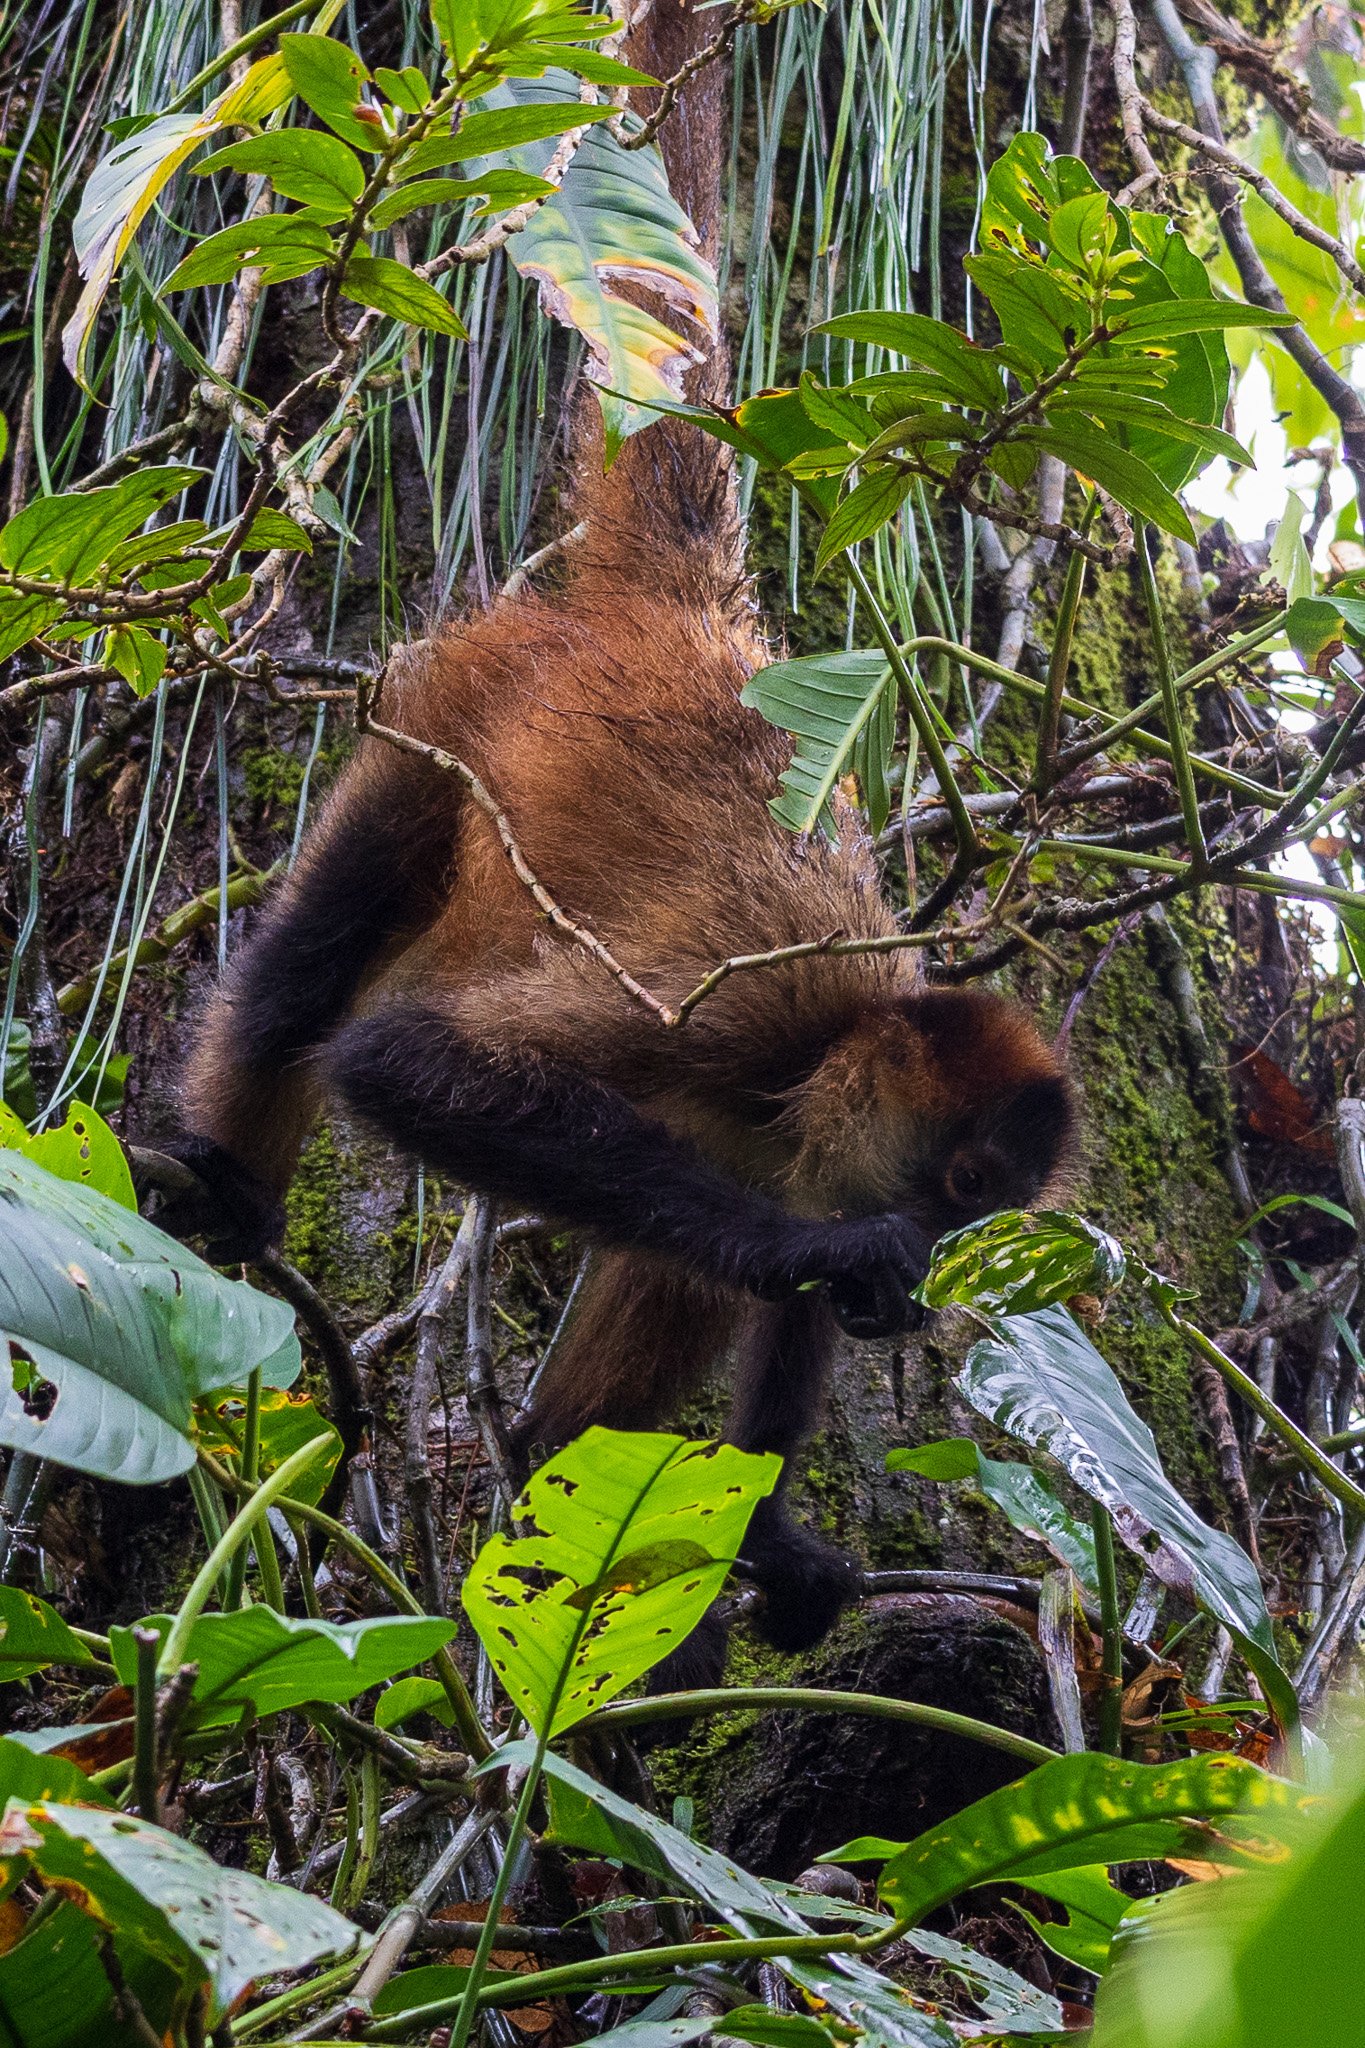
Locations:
(228, 1206)
(806, 1582)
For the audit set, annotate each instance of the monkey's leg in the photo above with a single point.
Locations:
(783, 1369)
(639, 1337)
(372, 872)
(539, 1131)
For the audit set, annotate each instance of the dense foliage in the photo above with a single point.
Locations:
(239, 1818)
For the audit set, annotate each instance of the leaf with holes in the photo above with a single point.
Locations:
(126, 183)
(828, 702)
(82, 1148)
(1019, 1260)
(287, 1422)
(114, 1329)
(212, 1927)
(633, 1535)
(614, 223)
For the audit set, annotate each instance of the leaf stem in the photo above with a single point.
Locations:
(1170, 705)
(236, 1533)
(1059, 665)
(145, 1786)
(470, 2000)
(668, 1706)
(1111, 1652)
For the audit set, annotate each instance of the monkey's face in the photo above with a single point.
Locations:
(1002, 1157)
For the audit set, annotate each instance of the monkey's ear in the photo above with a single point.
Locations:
(1037, 1123)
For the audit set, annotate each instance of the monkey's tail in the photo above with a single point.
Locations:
(668, 506)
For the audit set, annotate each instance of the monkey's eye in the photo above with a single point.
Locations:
(965, 1183)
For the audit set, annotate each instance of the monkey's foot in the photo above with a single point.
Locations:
(806, 1582)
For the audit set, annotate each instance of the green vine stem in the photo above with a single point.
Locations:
(471, 1730)
(1111, 1635)
(1310, 1455)
(668, 1706)
(1170, 704)
(236, 1533)
(1059, 665)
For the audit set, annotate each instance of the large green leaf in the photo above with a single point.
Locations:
(634, 1534)
(1040, 1378)
(1093, 1909)
(32, 1636)
(271, 1661)
(1082, 1810)
(54, 1990)
(211, 1926)
(827, 702)
(81, 1148)
(126, 184)
(1019, 1260)
(67, 537)
(614, 222)
(1263, 1959)
(114, 1329)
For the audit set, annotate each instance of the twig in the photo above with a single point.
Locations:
(401, 1928)
(432, 1324)
(1130, 103)
(481, 1388)
(1257, 65)
(201, 910)
(346, 1391)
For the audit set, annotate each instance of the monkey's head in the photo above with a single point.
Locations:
(942, 1109)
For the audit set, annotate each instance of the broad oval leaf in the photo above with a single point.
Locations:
(81, 1148)
(392, 288)
(280, 245)
(614, 222)
(1040, 1378)
(634, 1534)
(220, 1928)
(126, 184)
(271, 1661)
(330, 79)
(1019, 1260)
(32, 1636)
(827, 702)
(301, 163)
(970, 372)
(1082, 1810)
(869, 506)
(114, 1329)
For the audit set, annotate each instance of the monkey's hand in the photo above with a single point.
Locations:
(869, 1264)
(234, 1211)
(806, 1582)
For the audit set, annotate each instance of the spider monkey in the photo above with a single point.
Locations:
(776, 1169)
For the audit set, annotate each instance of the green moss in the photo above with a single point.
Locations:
(345, 1230)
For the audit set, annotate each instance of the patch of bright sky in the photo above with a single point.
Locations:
(1250, 501)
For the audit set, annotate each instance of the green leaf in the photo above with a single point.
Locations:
(1022, 1259)
(1087, 1809)
(301, 163)
(329, 78)
(612, 227)
(413, 1696)
(270, 529)
(271, 1661)
(127, 182)
(1289, 563)
(114, 1329)
(1040, 1378)
(1023, 1494)
(23, 618)
(1094, 1908)
(869, 506)
(1133, 408)
(1138, 489)
(509, 127)
(835, 410)
(635, 1534)
(1262, 1959)
(67, 537)
(392, 288)
(1041, 312)
(287, 1423)
(82, 1148)
(407, 88)
(1312, 625)
(969, 371)
(213, 1926)
(1197, 316)
(826, 701)
(769, 2029)
(32, 1636)
(280, 245)
(139, 657)
(500, 188)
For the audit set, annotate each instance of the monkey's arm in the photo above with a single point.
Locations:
(371, 872)
(536, 1130)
